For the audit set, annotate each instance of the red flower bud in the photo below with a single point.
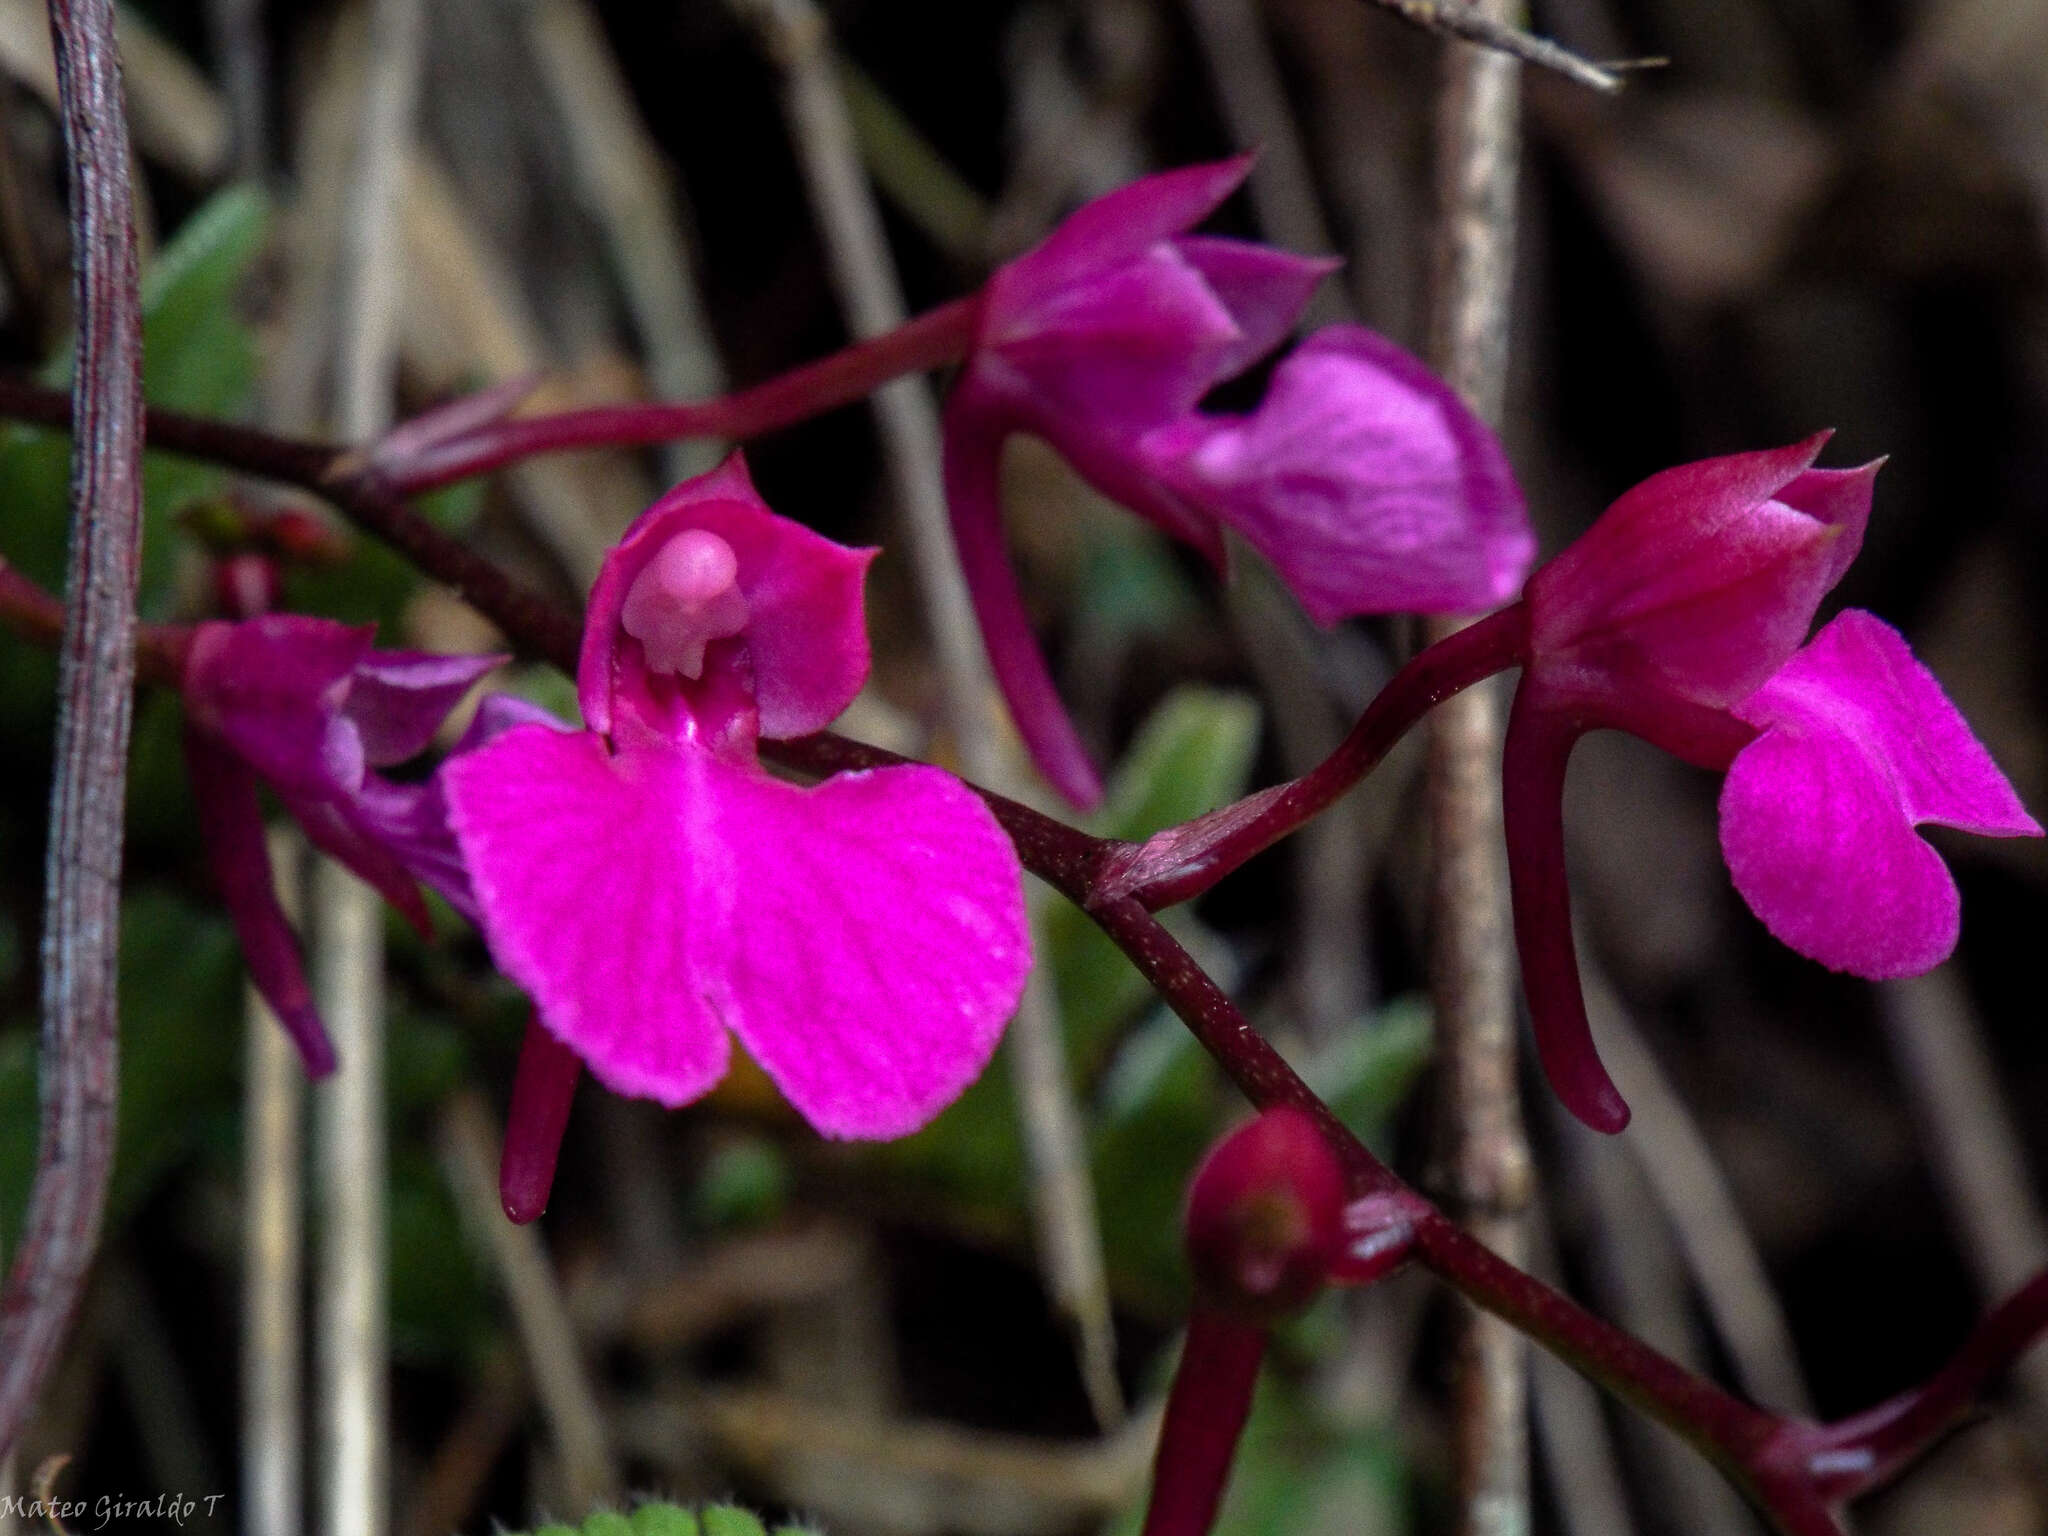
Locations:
(1265, 1220)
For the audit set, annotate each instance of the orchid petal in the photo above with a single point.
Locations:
(865, 938)
(1115, 351)
(398, 699)
(340, 829)
(1365, 480)
(1858, 746)
(1701, 580)
(880, 946)
(231, 824)
(1118, 226)
(607, 892)
(1265, 290)
(272, 688)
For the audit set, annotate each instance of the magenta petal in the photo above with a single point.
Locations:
(607, 893)
(272, 688)
(1838, 499)
(806, 634)
(879, 946)
(1365, 480)
(972, 456)
(1858, 746)
(231, 823)
(1700, 581)
(1114, 351)
(1116, 227)
(1264, 289)
(398, 699)
(340, 829)
(543, 1089)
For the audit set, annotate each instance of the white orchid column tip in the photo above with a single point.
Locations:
(684, 598)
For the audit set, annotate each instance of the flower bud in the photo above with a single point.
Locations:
(1265, 1216)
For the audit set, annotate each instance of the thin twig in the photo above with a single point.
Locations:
(1063, 1198)
(272, 1230)
(1471, 978)
(95, 694)
(348, 976)
(348, 920)
(469, 1143)
(1482, 24)
(631, 193)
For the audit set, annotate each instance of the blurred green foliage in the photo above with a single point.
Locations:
(674, 1520)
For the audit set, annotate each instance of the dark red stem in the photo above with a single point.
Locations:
(95, 688)
(1205, 1413)
(932, 340)
(1855, 1454)
(543, 1088)
(1184, 861)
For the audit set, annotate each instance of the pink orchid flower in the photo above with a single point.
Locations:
(306, 706)
(1362, 476)
(656, 891)
(1679, 618)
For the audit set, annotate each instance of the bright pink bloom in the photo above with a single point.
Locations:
(1678, 618)
(306, 706)
(1858, 746)
(653, 887)
(1362, 477)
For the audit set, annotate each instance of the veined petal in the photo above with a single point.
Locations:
(607, 892)
(1858, 745)
(879, 945)
(1365, 480)
(398, 699)
(1117, 350)
(337, 826)
(411, 820)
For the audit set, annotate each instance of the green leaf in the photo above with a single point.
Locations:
(198, 356)
(1192, 754)
(180, 1001)
(1366, 1073)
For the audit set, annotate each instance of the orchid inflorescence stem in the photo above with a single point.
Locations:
(1797, 1471)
